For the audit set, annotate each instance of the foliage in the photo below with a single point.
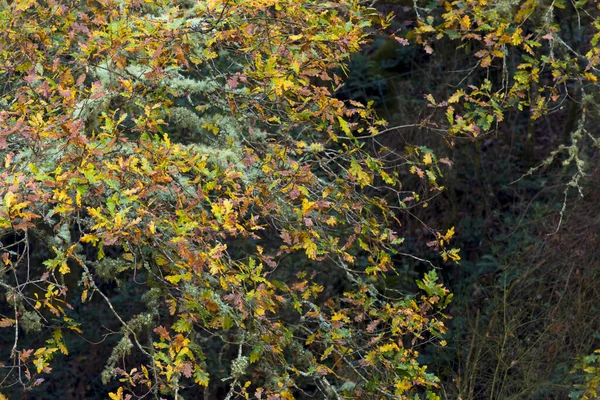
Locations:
(589, 366)
(525, 292)
(519, 126)
(213, 181)
(195, 150)
(543, 77)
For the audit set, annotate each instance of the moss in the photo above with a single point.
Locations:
(31, 322)
(122, 349)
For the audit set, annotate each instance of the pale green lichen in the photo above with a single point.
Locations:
(184, 118)
(122, 349)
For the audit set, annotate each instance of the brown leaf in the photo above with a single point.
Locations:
(6, 322)
(80, 80)
(187, 369)
(25, 354)
(162, 332)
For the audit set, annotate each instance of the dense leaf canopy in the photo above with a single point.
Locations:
(200, 160)
(194, 149)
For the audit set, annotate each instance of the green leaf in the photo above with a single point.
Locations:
(344, 125)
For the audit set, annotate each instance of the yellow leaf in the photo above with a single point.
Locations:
(402, 386)
(200, 377)
(388, 347)
(287, 395)
(590, 77)
(295, 65)
(516, 38)
(127, 85)
(327, 352)
(486, 62)
(281, 85)
(64, 268)
(453, 254)
(449, 234)
(311, 249)
(39, 364)
(9, 199)
(344, 125)
(87, 238)
(174, 279)
(465, 22)
(340, 317)
(118, 395)
(58, 338)
(39, 351)
(307, 206)
(211, 127)
(386, 178)
(456, 97)
(427, 160)
(161, 261)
